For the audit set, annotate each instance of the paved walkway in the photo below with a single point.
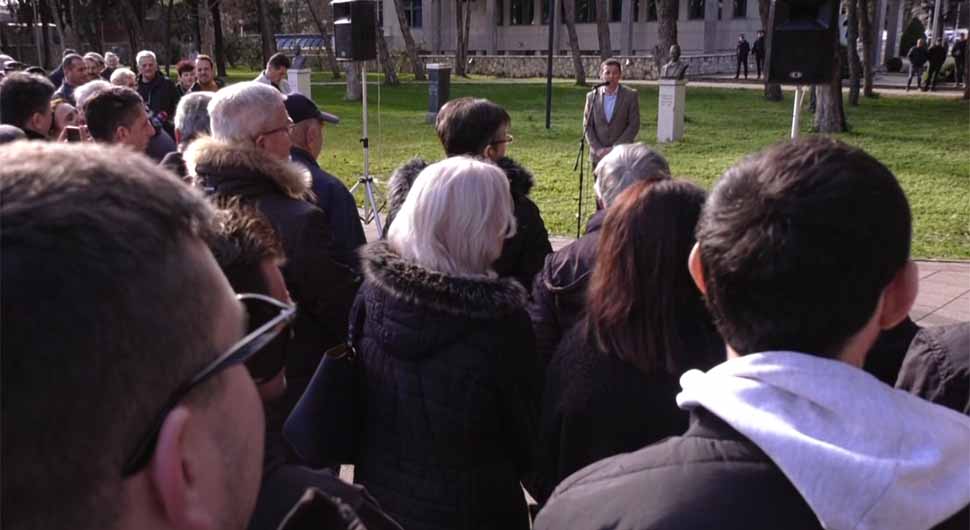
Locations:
(944, 289)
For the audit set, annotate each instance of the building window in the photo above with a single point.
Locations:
(412, 11)
(651, 10)
(695, 9)
(740, 8)
(521, 12)
(500, 12)
(616, 10)
(585, 11)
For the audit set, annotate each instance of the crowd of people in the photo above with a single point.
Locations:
(694, 360)
(931, 59)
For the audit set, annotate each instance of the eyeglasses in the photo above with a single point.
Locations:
(507, 140)
(238, 353)
(286, 128)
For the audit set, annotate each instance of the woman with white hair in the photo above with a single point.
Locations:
(447, 358)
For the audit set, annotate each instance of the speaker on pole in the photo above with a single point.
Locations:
(354, 29)
(801, 41)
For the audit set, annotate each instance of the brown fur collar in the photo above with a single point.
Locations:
(207, 156)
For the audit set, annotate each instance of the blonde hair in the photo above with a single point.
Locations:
(455, 217)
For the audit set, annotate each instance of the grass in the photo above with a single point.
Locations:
(924, 141)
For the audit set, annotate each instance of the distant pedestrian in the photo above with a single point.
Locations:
(743, 49)
(759, 52)
(959, 53)
(917, 60)
(937, 56)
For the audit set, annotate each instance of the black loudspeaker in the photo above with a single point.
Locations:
(802, 41)
(354, 29)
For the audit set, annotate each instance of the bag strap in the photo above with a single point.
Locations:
(347, 349)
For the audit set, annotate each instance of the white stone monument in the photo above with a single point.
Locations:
(670, 110)
(299, 81)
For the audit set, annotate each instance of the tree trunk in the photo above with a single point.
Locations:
(390, 75)
(772, 90)
(412, 49)
(266, 34)
(852, 38)
(354, 89)
(207, 32)
(220, 43)
(327, 45)
(569, 17)
(603, 28)
(966, 75)
(864, 15)
(829, 112)
(136, 31)
(666, 31)
(45, 38)
(460, 38)
(168, 36)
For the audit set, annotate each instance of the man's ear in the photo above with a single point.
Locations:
(696, 268)
(121, 134)
(35, 122)
(899, 296)
(175, 475)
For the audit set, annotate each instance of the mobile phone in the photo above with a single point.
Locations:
(73, 133)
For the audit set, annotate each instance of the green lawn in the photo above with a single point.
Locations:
(924, 141)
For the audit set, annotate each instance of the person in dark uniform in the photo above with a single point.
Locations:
(937, 56)
(758, 48)
(743, 49)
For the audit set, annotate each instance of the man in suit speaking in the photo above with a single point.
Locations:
(614, 110)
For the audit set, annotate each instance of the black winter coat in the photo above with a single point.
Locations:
(448, 382)
(523, 254)
(596, 405)
(937, 366)
(322, 288)
(559, 291)
(160, 96)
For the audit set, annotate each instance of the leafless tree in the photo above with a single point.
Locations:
(569, 17)
(409, 45)
(603, 28)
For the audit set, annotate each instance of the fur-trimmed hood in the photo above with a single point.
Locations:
(476, 297)
(521, 182)
(236, 169)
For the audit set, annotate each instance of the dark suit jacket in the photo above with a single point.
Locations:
(624, 126)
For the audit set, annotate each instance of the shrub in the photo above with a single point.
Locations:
(894, 64)
(915, 31)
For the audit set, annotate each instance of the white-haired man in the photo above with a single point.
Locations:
(247, 157)
(191, 122)
(159, 92)
(558, 293)
(111, 63)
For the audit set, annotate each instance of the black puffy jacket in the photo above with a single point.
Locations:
(449, 392)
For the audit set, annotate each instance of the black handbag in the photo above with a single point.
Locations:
(324, 426)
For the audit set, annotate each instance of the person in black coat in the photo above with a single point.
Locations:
(479, 127)
(559, 292)
(936, 56)
(159, 92)
(610, 387)
(742, 50)
(937, 366)
(917, 61)
(758, 49)
(447, 358)
(258, 172)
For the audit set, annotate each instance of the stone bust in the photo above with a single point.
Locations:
(675, 69)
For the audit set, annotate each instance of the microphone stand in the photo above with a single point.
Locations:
(588, 118)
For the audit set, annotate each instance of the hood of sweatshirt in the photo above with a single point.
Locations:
(862, 455)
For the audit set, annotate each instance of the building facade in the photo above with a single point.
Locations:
(519, 27)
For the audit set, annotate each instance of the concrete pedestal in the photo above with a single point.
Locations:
(299, 81)
(670, 110)
(439, 89)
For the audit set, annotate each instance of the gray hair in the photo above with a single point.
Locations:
(626, 164)
(95, 56)
(84, 92)
(122, 76)
(111, 59)
(145, 54)
(239, 112)
(192, 116)
(455, 218)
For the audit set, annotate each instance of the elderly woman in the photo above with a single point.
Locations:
(124, 77)
(447, 356)
(64, 114)
(611, 385)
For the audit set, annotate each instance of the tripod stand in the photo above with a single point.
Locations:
(371, 210)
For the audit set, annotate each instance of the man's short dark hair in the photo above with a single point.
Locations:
(110, 108)
(184, 65)
(104, 315)
(22, 95)
(611, 62)
(279, 60)
(797, 244)
(69, 59)
(466, 126)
